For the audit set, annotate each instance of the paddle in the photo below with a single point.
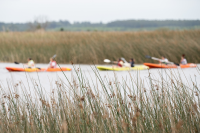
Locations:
(17, 62)
(107, 61)
(124, 60)
(126, 64)
(154, 58)
(54, 56)
(22, 64)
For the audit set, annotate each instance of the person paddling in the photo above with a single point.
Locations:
(53, 63)
(119, 63)
(30, 63)
(183, 60)
(164, 60)
(132, 62)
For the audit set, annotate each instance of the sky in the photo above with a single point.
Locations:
(21, 11)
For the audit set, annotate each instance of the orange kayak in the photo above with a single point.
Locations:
(151, 65)
(12, 69)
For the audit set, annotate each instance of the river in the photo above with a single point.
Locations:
(46, 80)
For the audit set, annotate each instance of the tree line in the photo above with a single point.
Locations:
(122, 25)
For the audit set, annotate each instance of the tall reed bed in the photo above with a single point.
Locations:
(93, 47)
(114, 106)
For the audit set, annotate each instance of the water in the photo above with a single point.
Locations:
(47, 79)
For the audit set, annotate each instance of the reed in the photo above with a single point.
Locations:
(93, 47)
(77, 106)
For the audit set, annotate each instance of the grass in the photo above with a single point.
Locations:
(94, 47)
(79, 106)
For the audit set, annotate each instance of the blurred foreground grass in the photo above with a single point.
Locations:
(77, 106)
(93, 47)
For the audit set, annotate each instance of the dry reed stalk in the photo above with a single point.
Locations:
(93, 47)
(172, 108)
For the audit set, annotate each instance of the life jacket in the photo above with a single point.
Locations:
(132, 63)
(184, 62)
(165, 61)
(31, 63)
(53, 64)
(119, 64)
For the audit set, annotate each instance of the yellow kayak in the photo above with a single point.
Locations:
(115, 68)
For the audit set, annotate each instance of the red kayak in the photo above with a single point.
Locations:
(151, 65)
(12, 69)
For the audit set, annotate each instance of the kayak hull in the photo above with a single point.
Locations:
(189, 65)
(151, 65)
(15, 69)
(115, 68)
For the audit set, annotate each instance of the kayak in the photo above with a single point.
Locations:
(12, 69)
(115, 68)
(151, 65)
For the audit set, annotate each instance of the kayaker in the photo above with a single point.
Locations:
(53, 63)
(183, 60)
(164, 60)
(120, 63)
(30, 63)
(132, 62)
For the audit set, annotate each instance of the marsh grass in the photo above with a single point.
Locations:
(81, 105)
(94, 47)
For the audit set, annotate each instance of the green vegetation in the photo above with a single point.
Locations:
(123, 25)
(94, 47)
(163, 106)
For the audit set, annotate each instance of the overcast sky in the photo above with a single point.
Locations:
(98, 10)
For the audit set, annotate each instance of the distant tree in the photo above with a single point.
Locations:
(61, 29)
(40, 23)
(38, 27)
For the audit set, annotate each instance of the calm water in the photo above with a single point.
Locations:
(48, 79)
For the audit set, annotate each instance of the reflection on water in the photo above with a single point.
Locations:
(47, 79)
